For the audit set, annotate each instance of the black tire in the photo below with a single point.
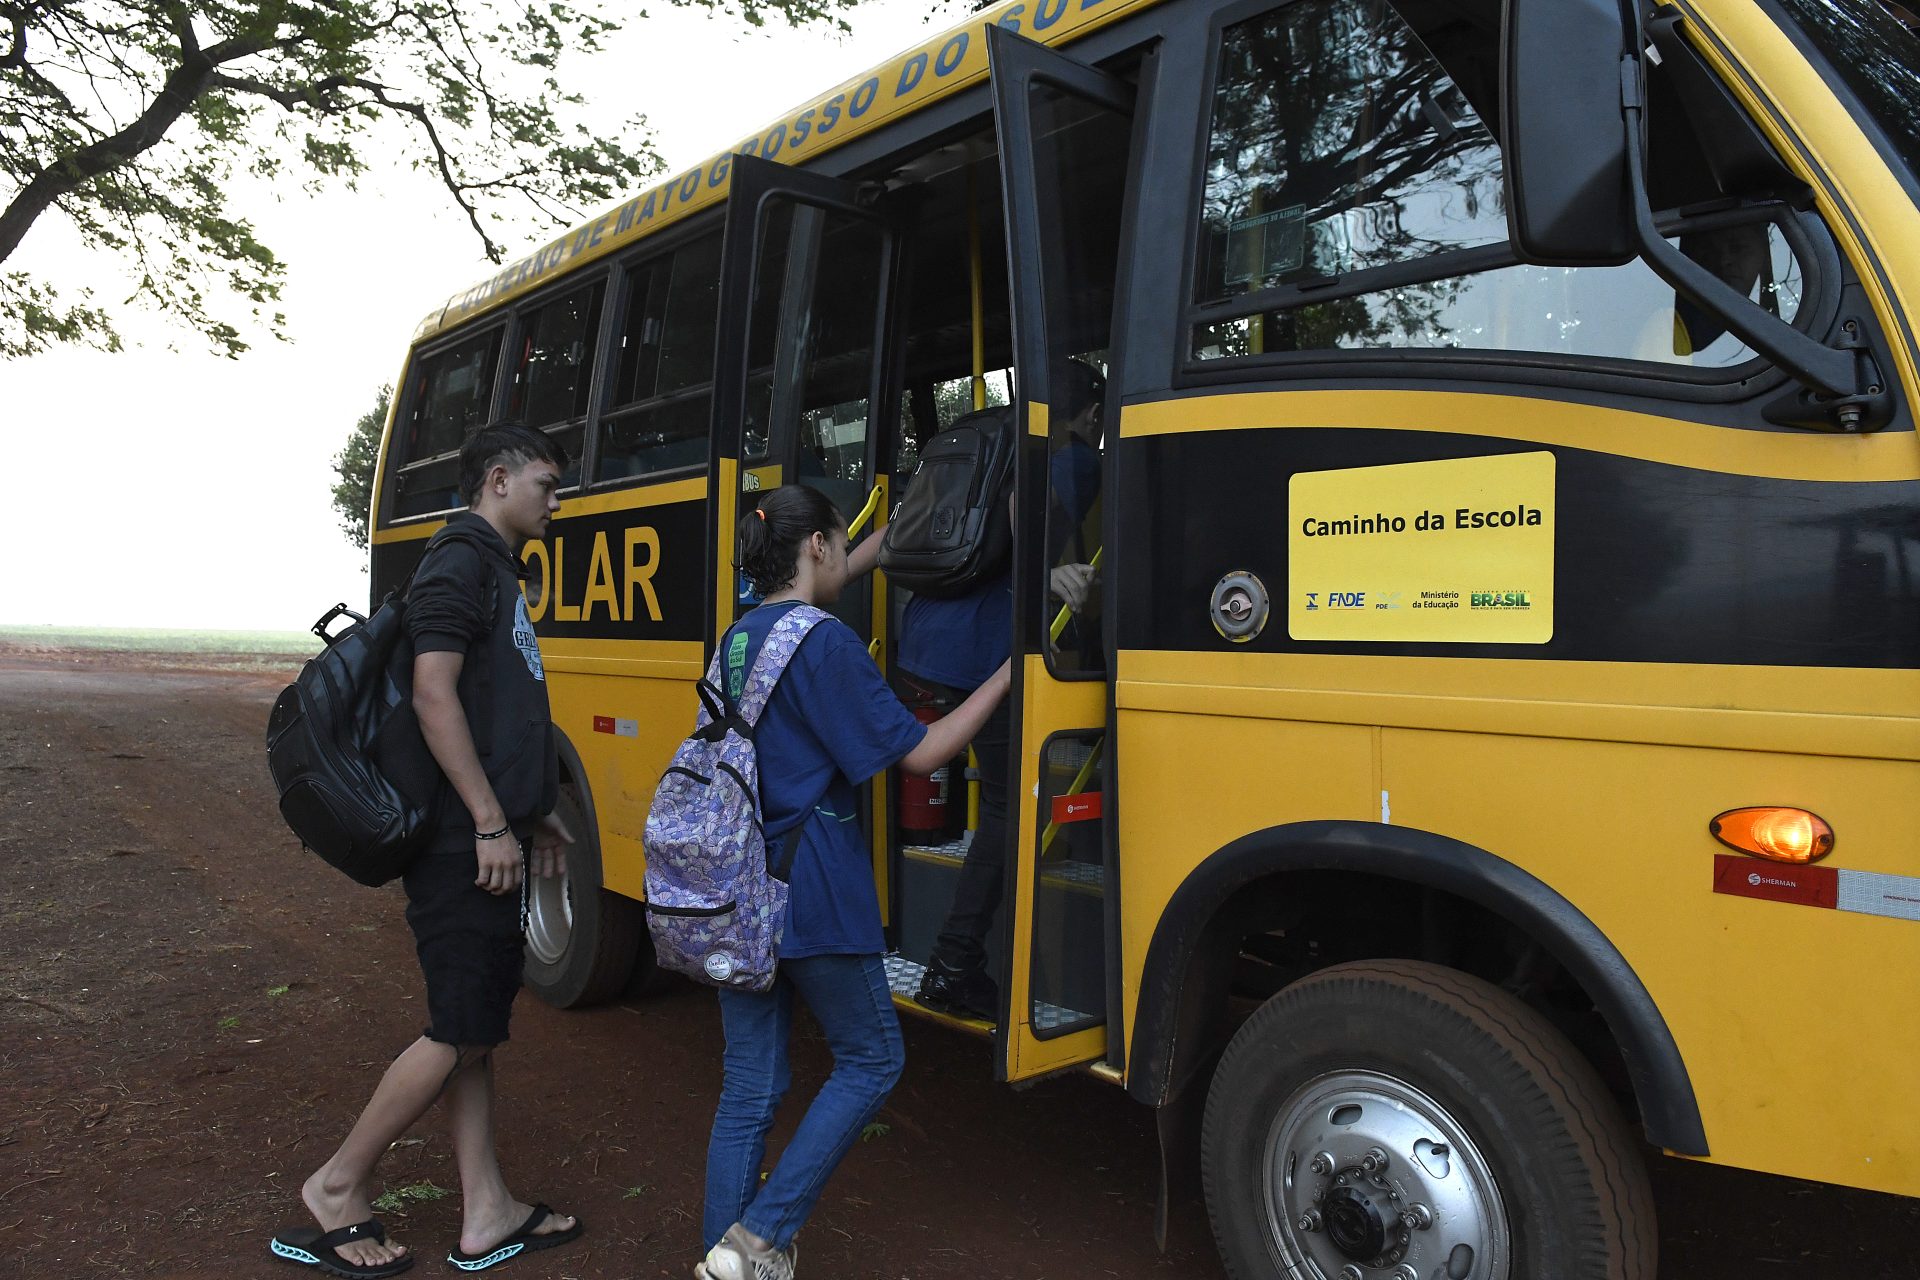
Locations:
(588, 958)
(1528, 1116)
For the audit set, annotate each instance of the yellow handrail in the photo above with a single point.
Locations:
(1066, 611)
(866, 513)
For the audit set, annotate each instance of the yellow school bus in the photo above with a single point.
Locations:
(1488, 741)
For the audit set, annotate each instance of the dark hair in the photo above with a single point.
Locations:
(512, 443)
(1076, 384)
(770, 536)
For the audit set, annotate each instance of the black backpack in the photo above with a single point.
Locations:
(951, 532)
(356, 781)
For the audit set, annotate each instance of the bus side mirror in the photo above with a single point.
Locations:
(1564, 138)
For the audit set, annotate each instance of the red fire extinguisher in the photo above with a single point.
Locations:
(924, 802)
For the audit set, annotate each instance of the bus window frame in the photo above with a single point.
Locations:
(1750, 381)
(395, 471)
(643, 255)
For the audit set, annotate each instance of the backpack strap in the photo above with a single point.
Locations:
(776, 651)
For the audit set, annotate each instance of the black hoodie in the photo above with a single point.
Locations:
(454, 606)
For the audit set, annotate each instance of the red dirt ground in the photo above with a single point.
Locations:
(160, 1103)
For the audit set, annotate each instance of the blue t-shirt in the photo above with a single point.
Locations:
(962, 640)
(831, 724)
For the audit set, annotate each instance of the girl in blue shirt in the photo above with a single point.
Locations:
(830, 725)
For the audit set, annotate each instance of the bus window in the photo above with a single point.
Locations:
(1611, 312)
(450, 397)
(555, 370)
(810, 351)
(1080, 153)
(1339, 144)
(658, 406)
(1344, 142)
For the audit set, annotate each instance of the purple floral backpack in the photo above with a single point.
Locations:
(715, 903)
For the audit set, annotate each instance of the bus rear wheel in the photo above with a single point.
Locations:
(1394, 1120)
(583, 942)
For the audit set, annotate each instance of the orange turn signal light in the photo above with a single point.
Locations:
(1777, 834)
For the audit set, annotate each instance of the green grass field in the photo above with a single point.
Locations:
(292, 645)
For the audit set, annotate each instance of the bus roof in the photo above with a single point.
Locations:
(936, 68)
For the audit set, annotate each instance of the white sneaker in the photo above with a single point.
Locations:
(735, 1258)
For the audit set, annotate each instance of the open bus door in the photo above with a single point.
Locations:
(808, 271)
(1066, 149)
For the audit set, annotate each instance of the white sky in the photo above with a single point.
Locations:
(173, 488)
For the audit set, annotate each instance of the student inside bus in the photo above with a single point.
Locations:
(949, 647)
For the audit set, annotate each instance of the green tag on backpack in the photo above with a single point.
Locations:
(737, 664)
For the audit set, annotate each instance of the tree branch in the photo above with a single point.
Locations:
(57, 179)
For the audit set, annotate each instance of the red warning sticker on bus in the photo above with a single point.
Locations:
(1774, 882)
(603, 724)
(1081, 808)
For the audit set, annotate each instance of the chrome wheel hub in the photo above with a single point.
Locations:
(1367, 1178)
(549, 917)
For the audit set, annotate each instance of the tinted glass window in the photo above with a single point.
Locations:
(661, 397)
(1080, 154)
(1338, 143)
(658, 437)
(639, 341)
(555, 370)
(1625, 313)
(1875, 49)
(451, 394)
(686, 341)
(1349, 136)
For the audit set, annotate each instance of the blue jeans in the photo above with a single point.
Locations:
(849, 998)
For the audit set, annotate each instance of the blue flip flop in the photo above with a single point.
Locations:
(525, 1240)
(312, 1247)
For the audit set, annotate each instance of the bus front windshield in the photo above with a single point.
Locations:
(1874, 47)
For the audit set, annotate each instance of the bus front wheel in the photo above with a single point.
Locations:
(583, 942)
(1394, 1120)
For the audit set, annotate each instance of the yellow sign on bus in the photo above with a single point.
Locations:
(1456, 551)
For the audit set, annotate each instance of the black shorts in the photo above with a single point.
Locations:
(468, 940)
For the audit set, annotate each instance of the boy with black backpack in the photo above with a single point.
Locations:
(479, 692)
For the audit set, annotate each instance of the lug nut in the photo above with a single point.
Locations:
(1405, 1273)
(1322, 1164)
(1310, 1220)
(1374, 1161)
(1417, 1218)
(1352, 1273)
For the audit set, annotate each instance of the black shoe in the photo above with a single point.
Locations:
(970, 993)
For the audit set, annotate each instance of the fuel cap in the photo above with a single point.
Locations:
(1239, 607)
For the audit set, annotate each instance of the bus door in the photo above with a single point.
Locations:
(1066, 148)
(807, 272)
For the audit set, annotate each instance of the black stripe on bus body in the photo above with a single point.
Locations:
(590, 577)
(1653, 562)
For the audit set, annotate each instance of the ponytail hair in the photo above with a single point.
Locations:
(770, 536)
